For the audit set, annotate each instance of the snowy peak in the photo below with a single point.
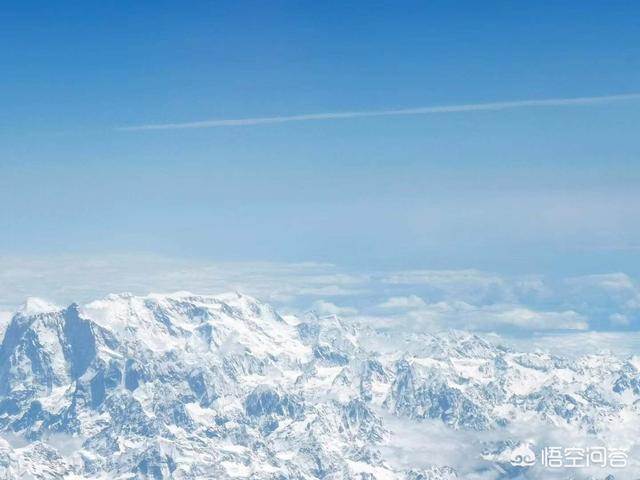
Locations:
(45, 349)
(36, 306)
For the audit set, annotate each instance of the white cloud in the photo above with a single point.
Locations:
(412, 301)
(633, 303)
(534, 320)
(466, 316)
(420, 444)
(463, 299)
(615, 295)
(322, 307)
(473, 107)
(619, 319)
(66, 279)
(608, 281)
(575, 344)
(444, 278)
(468, 285)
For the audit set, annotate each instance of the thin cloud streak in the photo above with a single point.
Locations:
(472, 107)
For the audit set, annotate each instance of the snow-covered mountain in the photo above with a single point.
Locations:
(217, 387)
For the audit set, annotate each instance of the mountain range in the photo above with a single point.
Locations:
(186, 386)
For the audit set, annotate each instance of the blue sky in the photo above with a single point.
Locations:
(542, 190)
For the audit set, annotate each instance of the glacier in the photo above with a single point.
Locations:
(185, 386)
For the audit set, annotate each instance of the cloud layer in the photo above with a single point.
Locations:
(413, 300)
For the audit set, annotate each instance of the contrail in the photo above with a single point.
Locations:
(470, 107)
